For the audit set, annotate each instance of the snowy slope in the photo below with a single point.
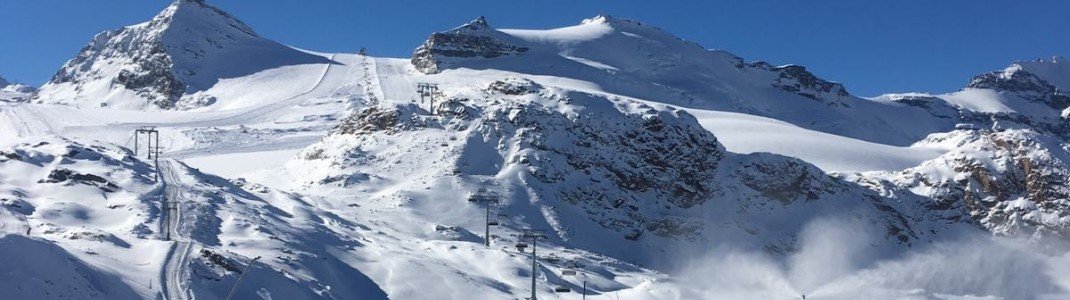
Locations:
(743, 133)
(97, 206)
(172, 61)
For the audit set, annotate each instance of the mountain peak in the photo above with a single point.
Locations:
(1055, 70)
(4, 82)
(610, 20)
(599, 19)
(1040, 75)
(478, 24)
(185, 49)
(475, 39)
(197, 15)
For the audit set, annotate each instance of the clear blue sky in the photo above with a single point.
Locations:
(873, 47)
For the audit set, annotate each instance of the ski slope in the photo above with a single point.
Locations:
(174, 272)
(743, 133)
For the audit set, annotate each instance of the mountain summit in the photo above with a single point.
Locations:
(186, 48)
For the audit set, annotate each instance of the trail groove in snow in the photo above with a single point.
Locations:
(178, 258)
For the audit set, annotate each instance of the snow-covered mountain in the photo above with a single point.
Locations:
(608, 175)
(628, 57)
(1008, 164)
(1026, 94)
(13, 92)
(172, 61)
(640, 154)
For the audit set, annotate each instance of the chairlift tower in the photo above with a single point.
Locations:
(427, 92)
(152, 139)
(483, 197)
(534, 235)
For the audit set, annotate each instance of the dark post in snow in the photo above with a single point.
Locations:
(534, 235)
(483, 197)
(243, 272)
(170, 204)
(428, 91)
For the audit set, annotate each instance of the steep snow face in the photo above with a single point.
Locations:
(186, 48)
(1012, 182)
(634, 59)
(598, 172)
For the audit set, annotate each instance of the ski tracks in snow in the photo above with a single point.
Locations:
(26, 127)
(174, 273)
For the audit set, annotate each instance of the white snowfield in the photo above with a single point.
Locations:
(327, 177)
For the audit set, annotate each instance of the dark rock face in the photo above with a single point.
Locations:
(514, 87)
(64, 175)
(153, 79)
(376, 118)
(934, 105)
(150, 73)
(618, 168)
(784, 180)
(472, 40)
(798, 80)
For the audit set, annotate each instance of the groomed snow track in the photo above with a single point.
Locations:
(174, 272)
